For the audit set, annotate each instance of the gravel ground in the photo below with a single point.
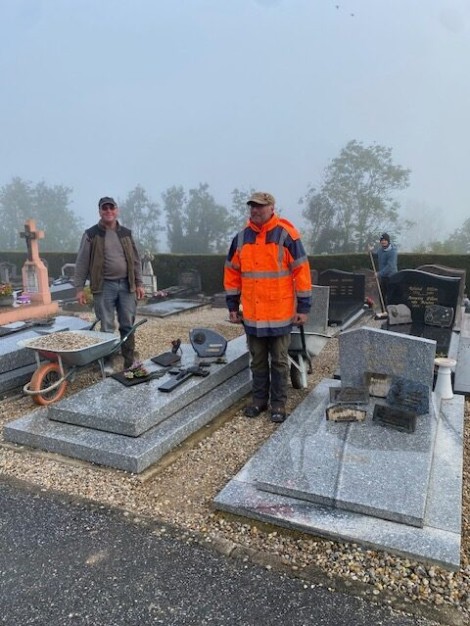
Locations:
(180, 489)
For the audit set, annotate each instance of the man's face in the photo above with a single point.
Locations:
(384, 243)
(260, 213)
(108, 213)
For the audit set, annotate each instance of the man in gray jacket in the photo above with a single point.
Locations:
(109, 258)
(387, 258)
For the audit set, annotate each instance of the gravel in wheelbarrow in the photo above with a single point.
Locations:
(75, 347)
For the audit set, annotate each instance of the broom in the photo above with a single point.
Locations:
(384, 314)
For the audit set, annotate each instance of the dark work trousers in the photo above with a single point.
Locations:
(270, 369)
(116, 298)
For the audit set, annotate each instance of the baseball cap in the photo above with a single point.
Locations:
(261, 197)
(106, 200)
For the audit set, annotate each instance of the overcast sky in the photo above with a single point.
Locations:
(102, 95)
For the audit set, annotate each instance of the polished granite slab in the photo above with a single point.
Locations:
(290, 458)
(110, 406)
(131, 454)
(359, 466)
(363, 350)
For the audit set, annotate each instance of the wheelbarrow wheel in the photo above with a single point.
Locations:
(44, 377)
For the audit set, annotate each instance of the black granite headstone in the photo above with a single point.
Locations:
(347, 294)
(419, 290)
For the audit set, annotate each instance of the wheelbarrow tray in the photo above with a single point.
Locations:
(79, 356)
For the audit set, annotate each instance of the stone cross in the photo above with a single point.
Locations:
(32, 235)
(34, 272)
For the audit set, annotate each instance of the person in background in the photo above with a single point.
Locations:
(268, 274)
(387, 257)
(108, 257)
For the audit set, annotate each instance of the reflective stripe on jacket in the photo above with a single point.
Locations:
(267, 270)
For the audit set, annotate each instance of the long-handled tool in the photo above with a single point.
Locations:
(384, 314)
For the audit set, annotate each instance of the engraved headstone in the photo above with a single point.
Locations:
(419, 290)
(347, 294)
(422, 291)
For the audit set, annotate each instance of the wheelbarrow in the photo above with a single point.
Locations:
(50, 379)
(299, 360)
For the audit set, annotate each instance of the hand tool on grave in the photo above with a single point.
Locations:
(183, 375)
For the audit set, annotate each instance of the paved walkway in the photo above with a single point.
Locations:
(72, 563)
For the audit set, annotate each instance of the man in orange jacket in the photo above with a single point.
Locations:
(267, 272)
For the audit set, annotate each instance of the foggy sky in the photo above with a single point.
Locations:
(102, 95)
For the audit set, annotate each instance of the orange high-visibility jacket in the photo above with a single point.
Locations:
(267, 270)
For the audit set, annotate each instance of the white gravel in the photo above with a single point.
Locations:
(180, 489)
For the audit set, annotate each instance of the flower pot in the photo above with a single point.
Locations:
(6, 300)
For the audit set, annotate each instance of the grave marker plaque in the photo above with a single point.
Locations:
(409, 395)
(436, 315)
(393, 417)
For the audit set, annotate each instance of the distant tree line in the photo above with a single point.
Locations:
(355, 201)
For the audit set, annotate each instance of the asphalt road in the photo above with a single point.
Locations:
(73, 563)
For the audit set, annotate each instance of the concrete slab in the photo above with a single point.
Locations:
(437, 541)
(110, 406)
(170, 307)
(131, 454)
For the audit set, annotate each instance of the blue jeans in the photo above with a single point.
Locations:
(117, 299)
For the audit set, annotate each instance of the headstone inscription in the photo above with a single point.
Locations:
(347, 294)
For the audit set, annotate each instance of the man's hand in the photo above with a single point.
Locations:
(300, 319)
(235, 317)
(140, 292)
(81, 296)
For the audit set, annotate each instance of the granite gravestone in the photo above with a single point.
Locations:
(347, 294)
(419, 289)
(422, 293)
(453, 272)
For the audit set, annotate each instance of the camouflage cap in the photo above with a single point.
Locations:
(261, 197)
(106, 200)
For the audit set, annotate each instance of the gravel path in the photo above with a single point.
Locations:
(181, 487)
